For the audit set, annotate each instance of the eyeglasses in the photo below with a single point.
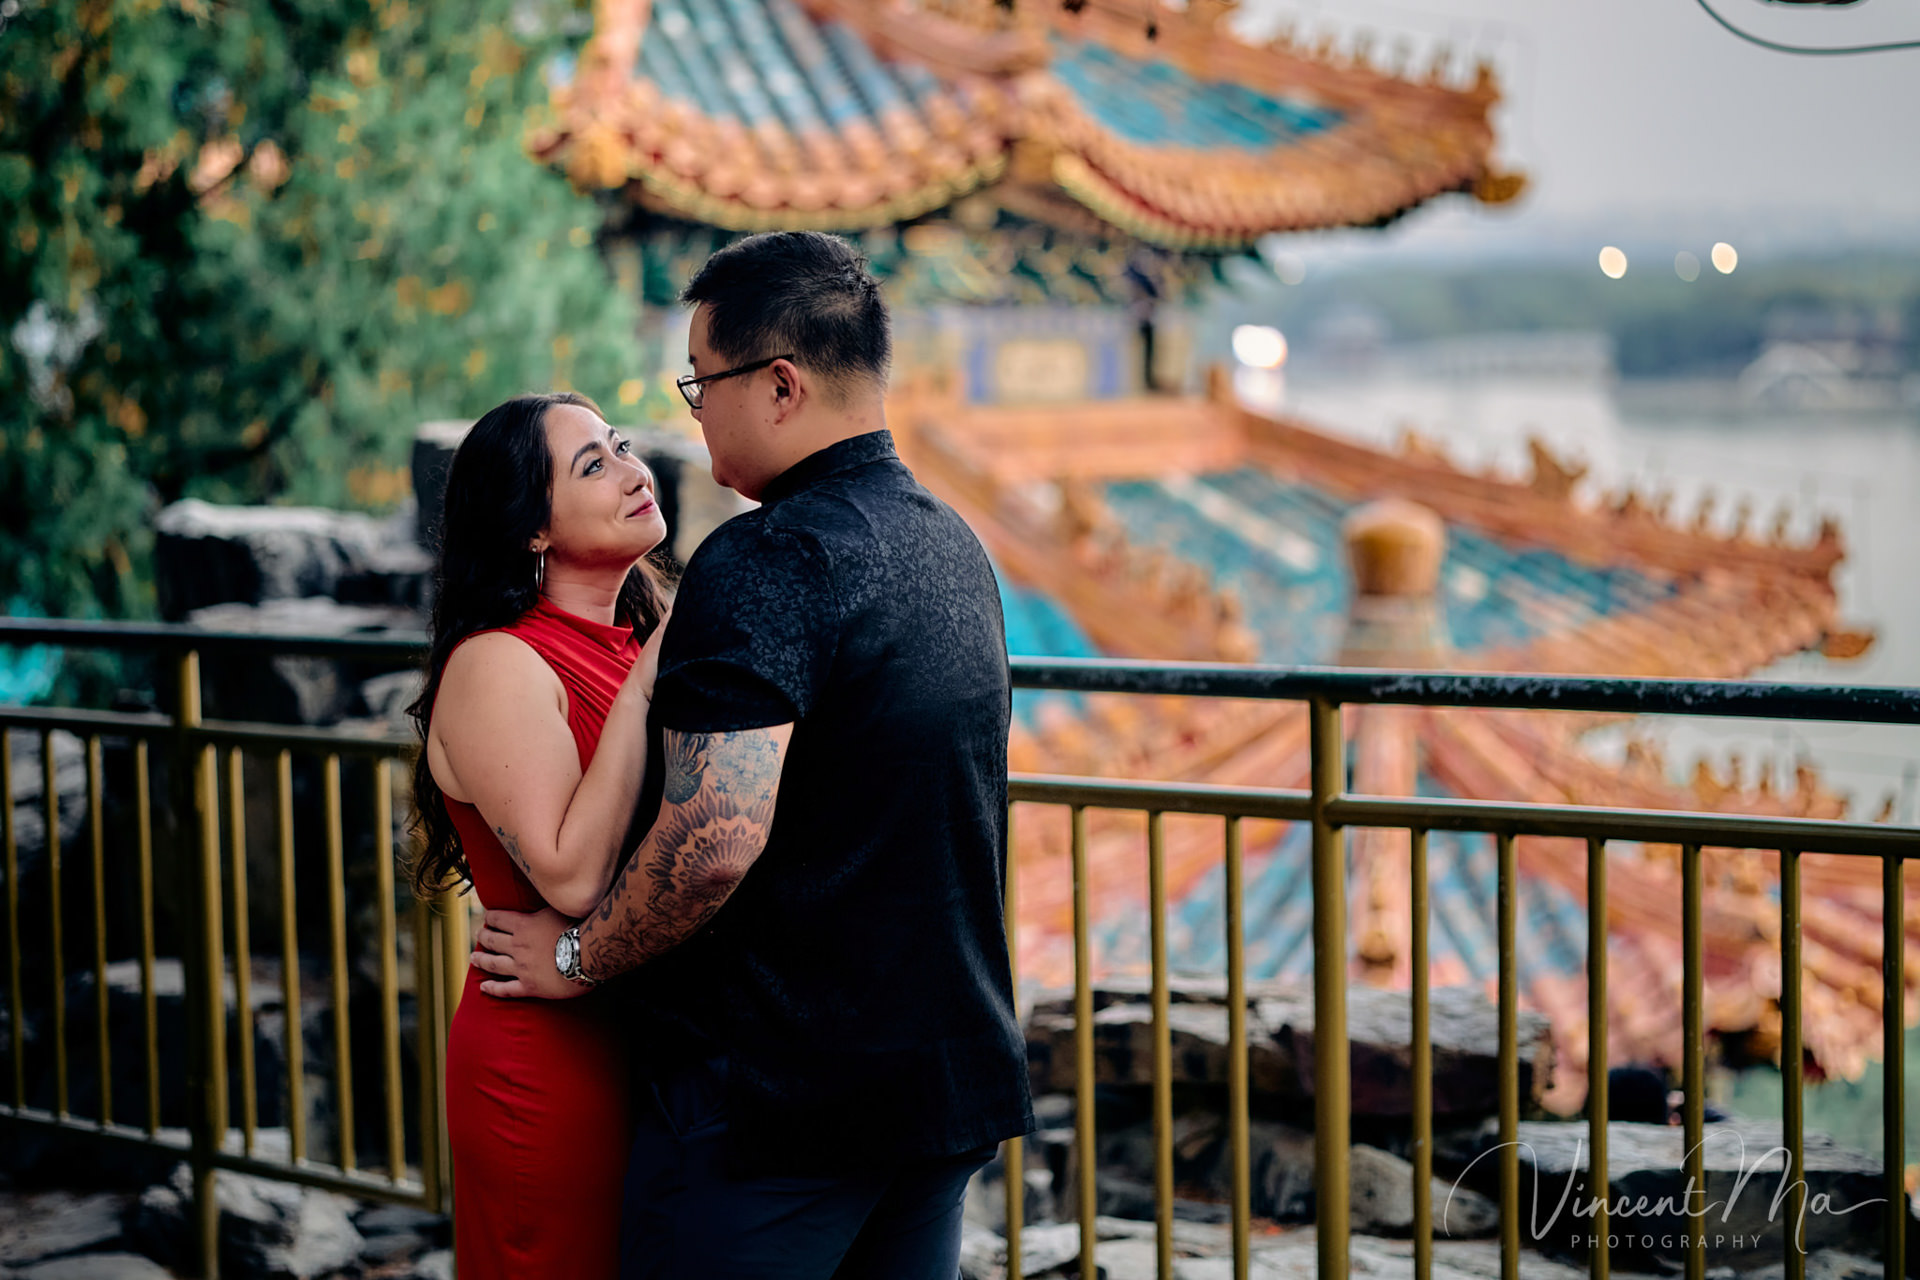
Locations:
(695, 389)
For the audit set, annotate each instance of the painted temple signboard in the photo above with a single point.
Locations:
(1047, 188)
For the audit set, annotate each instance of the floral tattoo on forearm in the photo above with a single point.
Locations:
(714, 818)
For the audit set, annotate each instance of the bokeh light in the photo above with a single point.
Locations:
(1724, 258)
(1613, 263)
(1686, 266)
(1260, 346)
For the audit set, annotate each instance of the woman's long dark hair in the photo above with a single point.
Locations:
(499, 496)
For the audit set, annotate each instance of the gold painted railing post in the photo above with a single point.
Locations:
(16, 1004)
(1239, 1143)
(450, 927)
(149, 998)
(1793, 1116)
(389, 966)
(242, 944)
(426, 1052)
(290, 961)
(1509, 1060)
(337, 940)
(1600, 1260)
(1013, 1156)
(1693, 1073)
(205, 991)
(1893, 1100)
(1331, 1083)
(1422, 1054)
(51, 796)
(1162, 1047)
(97, 843)
(1084, 1146)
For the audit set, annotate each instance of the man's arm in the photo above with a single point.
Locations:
(714, 819)
(713, 824)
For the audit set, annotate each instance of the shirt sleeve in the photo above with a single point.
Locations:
(754, 630)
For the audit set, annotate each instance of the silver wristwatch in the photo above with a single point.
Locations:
(566, 958)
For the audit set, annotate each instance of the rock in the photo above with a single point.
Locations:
(983, 1253)
(29, 792)
(1464, 1034)
(437, 1265)
(393, 1246)
(386, 698)
(434, 444)
(47, 1224)
(986, 1199)
(396, 572)
(98, 1266)
(1744, 1168)
(1124, 1250)
(268, 1230)
(295, 689)
(206, 554)
(1381, 1199)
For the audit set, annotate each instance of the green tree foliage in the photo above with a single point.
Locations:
(247, 245)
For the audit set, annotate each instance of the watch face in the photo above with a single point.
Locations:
(567, 954)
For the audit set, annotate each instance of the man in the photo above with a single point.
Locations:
(834, 701)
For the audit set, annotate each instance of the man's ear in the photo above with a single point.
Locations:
(788, 390)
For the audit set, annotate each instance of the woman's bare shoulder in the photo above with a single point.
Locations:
(497, 667)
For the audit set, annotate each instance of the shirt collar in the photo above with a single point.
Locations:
(844, 455)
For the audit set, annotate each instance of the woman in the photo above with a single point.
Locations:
(534, 723)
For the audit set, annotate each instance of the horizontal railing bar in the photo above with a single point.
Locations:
(1655, 826)
(74, 1126)
(243, 733)
(1746, 699)
(85, 723)
(393, 646)
(372, 1186)
(223, 733)
(1167, 797)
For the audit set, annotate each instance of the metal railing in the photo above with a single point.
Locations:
(206, 784)
(1332, 810)
(191, 747)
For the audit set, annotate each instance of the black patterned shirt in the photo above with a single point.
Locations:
(857, 980)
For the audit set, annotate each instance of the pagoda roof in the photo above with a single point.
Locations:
(846, 114)
(1198, 530)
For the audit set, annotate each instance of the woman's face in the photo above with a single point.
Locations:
(604, 510)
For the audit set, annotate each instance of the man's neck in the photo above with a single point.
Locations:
(861, 422)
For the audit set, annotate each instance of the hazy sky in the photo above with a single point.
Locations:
(1646, 111)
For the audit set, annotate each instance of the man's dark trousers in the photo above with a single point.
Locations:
(685, 1218)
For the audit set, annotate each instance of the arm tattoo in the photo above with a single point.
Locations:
(721, 790)
(685, 765)
(512, 847)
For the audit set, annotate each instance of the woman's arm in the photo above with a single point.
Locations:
(499, 741)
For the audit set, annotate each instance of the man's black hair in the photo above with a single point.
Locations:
(798, 293)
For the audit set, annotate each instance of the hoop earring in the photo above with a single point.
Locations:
(540, 572)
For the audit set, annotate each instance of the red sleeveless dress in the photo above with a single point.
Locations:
(537, 1091)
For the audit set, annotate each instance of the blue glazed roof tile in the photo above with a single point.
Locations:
(1212, 163)
(1157, 104)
